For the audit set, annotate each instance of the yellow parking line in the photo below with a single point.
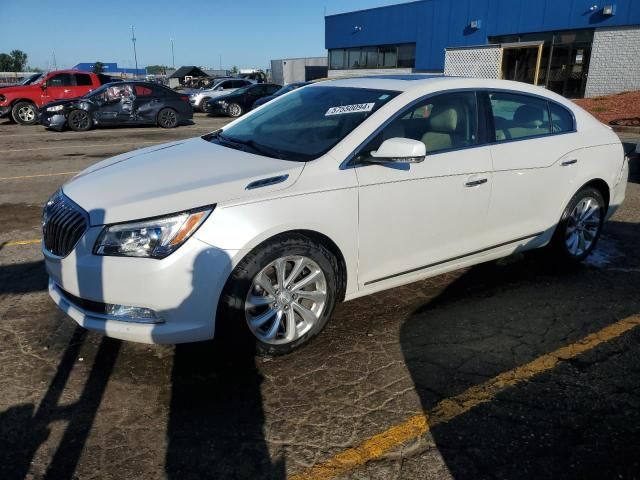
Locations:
(21, 242)
(451, 408)
(39, 175)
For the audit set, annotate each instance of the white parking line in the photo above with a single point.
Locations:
(39, 175)
(79, 146)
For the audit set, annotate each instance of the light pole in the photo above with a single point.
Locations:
(135, 54)
(173, 56)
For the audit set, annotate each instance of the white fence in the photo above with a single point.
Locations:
(477, 62)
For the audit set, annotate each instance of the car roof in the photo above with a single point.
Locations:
(427, 83)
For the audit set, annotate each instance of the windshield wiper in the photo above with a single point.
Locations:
(261, 149)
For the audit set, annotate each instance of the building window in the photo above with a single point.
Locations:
(382, 56)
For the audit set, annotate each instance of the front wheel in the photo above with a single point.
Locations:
(580, 226)
(167, 118)
(235, 110)
(79, 121)
(24, 113)
(280, 296)
(204, 105)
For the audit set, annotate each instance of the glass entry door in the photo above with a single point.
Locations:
(521, 63)
(568, 68)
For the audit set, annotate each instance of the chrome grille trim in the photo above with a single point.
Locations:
(63, 224)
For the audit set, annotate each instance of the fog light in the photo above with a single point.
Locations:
(125, 313)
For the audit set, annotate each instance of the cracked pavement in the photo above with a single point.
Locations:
(76, 405)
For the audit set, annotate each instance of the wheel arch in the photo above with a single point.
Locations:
(316, 236)
(21, 99)
(600, 185)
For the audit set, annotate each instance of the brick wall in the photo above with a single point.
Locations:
(615, 61)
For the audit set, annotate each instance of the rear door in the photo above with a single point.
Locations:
(83, 84)
(534, 158)
(146, 104)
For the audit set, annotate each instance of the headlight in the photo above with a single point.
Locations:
(155, 238)
(55, 108)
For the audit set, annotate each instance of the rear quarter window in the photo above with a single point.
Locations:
(561, 119)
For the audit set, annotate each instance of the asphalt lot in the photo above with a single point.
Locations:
(512, 369)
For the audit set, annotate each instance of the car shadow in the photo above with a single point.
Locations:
(578, 420)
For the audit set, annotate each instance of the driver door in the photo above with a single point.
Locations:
(58, 87)
(417, 217)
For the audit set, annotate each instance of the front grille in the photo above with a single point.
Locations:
(63, 223)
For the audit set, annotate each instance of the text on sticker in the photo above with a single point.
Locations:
(356, 108)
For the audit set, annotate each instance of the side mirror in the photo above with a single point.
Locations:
(43, 86)
(399, 150)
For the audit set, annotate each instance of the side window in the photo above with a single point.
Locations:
(60, 80)
(442, 122)
(142, 91)
(83, 80)
(561, 118)
(104, 78)
(518, 116)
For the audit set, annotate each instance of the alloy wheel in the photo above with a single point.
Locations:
(583, 226)
(79, 120)
(234, 110)
(168, 118)
(286, 299)
(27, 113)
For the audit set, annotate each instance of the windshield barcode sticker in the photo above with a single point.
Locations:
(356, 108)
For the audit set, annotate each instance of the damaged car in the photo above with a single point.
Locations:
(122, 103)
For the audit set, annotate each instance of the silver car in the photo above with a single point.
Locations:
(221, 86)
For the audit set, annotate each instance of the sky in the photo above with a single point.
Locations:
(246, 34)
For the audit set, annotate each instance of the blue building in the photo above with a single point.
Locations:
(574, 47)
(112, 69)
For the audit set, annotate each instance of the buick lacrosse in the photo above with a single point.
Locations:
(333, 191)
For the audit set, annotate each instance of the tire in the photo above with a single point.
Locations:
(25, 113)
(235, 110)
(204, 105)
(244, 303)
(79, 121)
(167, 118)
(580, 226)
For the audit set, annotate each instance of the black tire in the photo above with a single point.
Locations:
(204, 105)
(568, 232)
(231, 323)
(79, 120)
(235, 110)
(167, 118)
(24, 113)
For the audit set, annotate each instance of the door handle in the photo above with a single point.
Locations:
(475, 183)
(569, 162)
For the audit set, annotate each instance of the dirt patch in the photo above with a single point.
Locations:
(19, 216)
(609, 108)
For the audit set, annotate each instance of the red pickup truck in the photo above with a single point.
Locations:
(21, 102)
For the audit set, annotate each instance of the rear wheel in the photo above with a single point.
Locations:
(79, 120)
(168, 118)
(280, 296)
(580, 226)
(235, 110)
(24, 113)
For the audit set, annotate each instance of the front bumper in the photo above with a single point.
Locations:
(183, 289)
(56, 121)
(217, 109)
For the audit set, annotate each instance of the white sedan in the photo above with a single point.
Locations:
(334, 191)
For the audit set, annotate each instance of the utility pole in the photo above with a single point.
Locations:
(173, 56)
(220, 61)
(55, 64)
(135, 54)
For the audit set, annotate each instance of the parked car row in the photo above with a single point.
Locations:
(21, 102)
(83, 100)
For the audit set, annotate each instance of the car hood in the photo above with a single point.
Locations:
(59, 102)
(173, 177)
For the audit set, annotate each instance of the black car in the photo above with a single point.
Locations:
(120, 103)
(286, 89)
(241, 100)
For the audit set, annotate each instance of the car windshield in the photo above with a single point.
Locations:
(242, 90)
(305, 124)
(286, 89)
(32, 79)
